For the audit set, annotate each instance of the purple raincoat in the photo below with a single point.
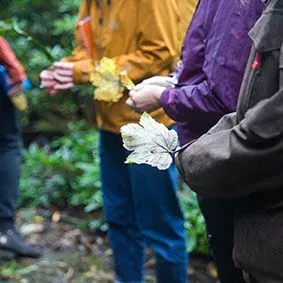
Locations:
(214, 55)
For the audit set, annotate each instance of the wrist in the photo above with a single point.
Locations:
(158, 94)
(82, 70)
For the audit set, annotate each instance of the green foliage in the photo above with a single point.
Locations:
(11, 27)
(64, 173)
(9, 270)
(194, 222)
(41, 32)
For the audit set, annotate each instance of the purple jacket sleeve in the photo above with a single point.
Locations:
(191, 102)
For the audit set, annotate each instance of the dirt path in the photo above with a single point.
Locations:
(71, 255)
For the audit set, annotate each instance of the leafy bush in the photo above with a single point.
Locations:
(65, 173)
(194, 222)
(51, 23)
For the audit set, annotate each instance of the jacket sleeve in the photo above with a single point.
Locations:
(157, 40)
(193, 102)
(9, 60)
(238, 159)
(83, 64)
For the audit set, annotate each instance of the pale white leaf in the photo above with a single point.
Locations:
(151, 142)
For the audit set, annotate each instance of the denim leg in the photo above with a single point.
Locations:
(219, 217)
(160, 219)
(9, 161)
(125, 238)
(9, 182)
(168, 271)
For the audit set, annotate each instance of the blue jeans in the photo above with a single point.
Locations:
(10, 160)
(142, 210)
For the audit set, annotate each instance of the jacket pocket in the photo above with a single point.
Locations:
(267, 37)
(258, 244)
(265, 119)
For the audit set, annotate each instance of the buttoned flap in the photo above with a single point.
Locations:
(267, 34)
(265, 118)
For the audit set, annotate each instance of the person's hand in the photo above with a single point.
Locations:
(16, 88)
(58, 77)
(64, 75)
(163, 81)
(48, 81)
(145, 98)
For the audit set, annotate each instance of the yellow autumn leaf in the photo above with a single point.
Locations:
(109, 81)
(126, 81)
(109, 66)
(109, 94)
(56, 216)
(19, 101)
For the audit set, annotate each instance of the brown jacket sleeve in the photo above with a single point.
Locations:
(9, 60)
(238, 160)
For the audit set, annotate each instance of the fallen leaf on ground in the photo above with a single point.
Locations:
(28, 229)
(56, 217)
(212, 270)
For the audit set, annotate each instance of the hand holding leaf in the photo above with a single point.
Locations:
(151, 142)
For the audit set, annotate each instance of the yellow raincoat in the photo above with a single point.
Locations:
(143, 36)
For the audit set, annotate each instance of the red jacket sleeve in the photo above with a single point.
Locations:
(9, 60)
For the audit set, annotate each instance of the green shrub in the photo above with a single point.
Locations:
(52, 24)
(65, 173)
(194, 222)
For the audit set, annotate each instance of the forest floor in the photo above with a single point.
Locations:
(72, 254)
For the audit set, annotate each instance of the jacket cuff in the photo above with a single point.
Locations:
(17, 75)
(166, 101)
(82, 71)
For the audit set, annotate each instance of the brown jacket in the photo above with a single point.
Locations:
(243, 155)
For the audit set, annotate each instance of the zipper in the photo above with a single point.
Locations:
(101, 23)
(101, 28)
(255, 69)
